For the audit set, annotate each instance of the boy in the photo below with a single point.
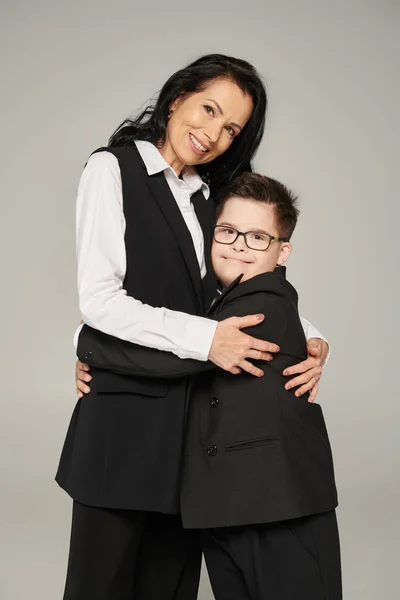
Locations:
(257, 478)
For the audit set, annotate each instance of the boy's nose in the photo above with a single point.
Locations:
(239, 245)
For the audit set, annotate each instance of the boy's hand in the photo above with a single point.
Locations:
(82, 376)
(310, 370)
(231, 347)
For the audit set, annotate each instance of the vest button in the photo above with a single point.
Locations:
(214, 402)
(212, 450)
(88, 355)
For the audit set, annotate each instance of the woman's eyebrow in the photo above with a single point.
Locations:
(222, 112)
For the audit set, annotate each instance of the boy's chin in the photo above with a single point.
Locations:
(228, 277)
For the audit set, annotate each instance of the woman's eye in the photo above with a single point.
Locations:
(209, 109)
(231, 131)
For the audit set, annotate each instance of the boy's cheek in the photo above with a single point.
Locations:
(217, 262)
(225, 271)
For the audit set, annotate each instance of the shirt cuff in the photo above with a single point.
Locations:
(76, 335)
(198, 338)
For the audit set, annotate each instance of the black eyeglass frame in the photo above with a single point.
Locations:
(272, 238)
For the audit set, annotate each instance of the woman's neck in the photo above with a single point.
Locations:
(170, 157)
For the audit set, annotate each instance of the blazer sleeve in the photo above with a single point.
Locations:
(272, 305)
(104, 351)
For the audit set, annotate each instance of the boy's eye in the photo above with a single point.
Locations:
(257, 237)
(209, 109)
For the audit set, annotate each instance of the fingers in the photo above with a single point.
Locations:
(80, 366)
(304, 378)
(313, 349)
(257, 355)
(231, 348)
(247, 366)
(83, 376)
(313, 344)
(249, 321)
(313, 393)
(82, 387)
(302, 367)
(318, 348)
(261, 345)
(305, 388)
(312, 375)
(264, 346)
(79, 394)
(236, 371)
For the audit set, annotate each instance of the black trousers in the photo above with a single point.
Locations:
(290, 560)
(131, 555)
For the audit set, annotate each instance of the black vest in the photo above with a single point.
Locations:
(124, 443)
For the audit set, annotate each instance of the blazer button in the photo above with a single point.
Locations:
(212, 450)
(88, 355)
(214, 402)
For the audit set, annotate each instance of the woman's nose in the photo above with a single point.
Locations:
(213, 132)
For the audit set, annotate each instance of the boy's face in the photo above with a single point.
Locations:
(247, 215)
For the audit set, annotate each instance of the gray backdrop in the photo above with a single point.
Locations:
(71, 72)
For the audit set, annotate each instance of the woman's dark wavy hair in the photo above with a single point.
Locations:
(151, 124)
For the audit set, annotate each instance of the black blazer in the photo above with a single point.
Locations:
(124, 445)
(255, 453)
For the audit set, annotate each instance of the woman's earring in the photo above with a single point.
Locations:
(170, 113)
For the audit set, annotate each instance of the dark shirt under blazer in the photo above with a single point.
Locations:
(254, 452)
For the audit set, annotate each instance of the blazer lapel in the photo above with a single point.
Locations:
(221, 297)
(205, 211)
(167, 203)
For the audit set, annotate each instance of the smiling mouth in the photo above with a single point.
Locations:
(245, 262)
(198, 145)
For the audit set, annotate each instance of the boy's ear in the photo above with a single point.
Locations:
(284, 252)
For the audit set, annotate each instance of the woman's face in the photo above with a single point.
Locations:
(204, 124)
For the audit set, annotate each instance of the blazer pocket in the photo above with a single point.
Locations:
(249, 444)
(106, 382)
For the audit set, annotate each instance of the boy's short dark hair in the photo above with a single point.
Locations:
(254, 186)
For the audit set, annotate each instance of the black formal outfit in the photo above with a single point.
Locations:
(122, 456)
(298, 559)
(255, 454)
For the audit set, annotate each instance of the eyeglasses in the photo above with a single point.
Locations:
(223, 234)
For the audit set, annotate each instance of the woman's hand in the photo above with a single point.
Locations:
(231, 347)
(309, 371)
(82, 376)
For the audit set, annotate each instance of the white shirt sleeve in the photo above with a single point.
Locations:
(101, 257)
(312, 332)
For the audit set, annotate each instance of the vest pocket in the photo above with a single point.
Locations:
(249, 444)
(106, 382)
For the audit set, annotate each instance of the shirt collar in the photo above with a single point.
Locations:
(156, 163)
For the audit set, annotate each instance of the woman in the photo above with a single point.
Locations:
(144, 275)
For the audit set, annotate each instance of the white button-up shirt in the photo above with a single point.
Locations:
(101, 256)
